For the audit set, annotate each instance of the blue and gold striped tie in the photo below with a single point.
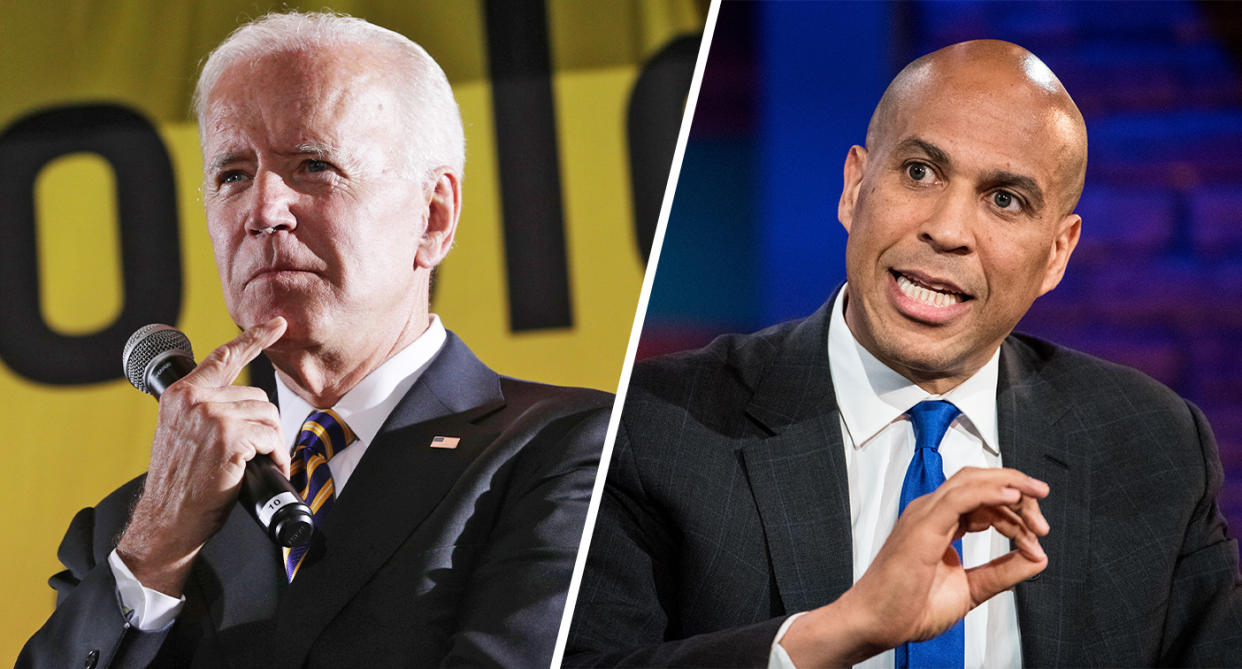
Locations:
(323, 435)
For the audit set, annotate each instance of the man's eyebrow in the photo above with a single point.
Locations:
(1016, 182)
(317, 149)
(935, 153)
(223, 159)
(320, 149)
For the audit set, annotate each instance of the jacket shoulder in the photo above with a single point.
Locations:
(1077, 374)
(714, 384)
(1112, 405)
(558, 399)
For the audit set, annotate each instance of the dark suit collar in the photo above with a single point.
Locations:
(456, 381)
(790, 375)
(1032, 414)
(396, 486)
(797, 473)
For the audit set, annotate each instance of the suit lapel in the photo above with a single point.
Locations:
(396, 486)
(797, 474)
(1034, 439)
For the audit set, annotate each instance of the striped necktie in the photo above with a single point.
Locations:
(323, 435)
(926, 472)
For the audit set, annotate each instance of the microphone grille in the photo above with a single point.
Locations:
(148, 342)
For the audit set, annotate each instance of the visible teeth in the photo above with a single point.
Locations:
(926, 295)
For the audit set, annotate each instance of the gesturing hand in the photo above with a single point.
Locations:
(207, 431)
(916, 587)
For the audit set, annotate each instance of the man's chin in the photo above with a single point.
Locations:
(922, 355)
(300, 327)
(298, 335)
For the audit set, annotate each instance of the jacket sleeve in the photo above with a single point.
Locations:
(625, 614)
(88, 627)
(516, 593)
(1203, 626)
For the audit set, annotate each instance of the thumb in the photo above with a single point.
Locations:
(1001, 574)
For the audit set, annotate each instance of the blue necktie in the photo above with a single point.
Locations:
(323, 435)
(926, 472)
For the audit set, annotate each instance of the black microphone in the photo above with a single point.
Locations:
(155, 356)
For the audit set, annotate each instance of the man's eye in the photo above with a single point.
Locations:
(230, 177)
(917, 171)
(1003, 199)
(317, 165)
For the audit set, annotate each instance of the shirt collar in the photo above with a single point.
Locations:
(871, 396)
(367, 405)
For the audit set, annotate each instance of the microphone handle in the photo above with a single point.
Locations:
(274, 504)
(265, 493)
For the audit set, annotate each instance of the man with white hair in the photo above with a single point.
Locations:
(333, 156)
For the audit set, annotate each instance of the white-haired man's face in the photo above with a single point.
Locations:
(312, 211)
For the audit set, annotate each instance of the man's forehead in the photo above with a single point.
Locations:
(230, 135)
(303, 80)
(979, 128)
(296, 100)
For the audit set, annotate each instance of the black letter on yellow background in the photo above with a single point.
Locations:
(652, 123)
(528, 159)
(149, 239)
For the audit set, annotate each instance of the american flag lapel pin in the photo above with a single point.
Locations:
(445, 442)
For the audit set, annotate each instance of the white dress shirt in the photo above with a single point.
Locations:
(879, 444)
(364, 409)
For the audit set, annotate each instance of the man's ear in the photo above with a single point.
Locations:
(1059, 253)
(855, 164)
(443, 212)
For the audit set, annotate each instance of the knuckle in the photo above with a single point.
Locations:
(224, 355)
(951, 496)
(919, 504)
(213, 411)
(177, 393)
(233, 438)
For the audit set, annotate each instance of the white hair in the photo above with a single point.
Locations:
(432, 119)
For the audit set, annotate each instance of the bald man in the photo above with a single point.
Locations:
(781, 498)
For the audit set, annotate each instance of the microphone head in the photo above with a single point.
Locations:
(148, 343)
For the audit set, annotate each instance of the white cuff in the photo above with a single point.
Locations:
(148, 610)
(777, 657)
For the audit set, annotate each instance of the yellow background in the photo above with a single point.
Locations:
(67, 446)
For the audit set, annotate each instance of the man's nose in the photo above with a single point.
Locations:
(272, 205)
(949, 228)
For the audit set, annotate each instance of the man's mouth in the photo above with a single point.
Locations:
(282, 272)
(923, 292)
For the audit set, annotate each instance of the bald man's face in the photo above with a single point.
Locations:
(957, 222)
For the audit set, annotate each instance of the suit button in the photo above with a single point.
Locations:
(92, 658)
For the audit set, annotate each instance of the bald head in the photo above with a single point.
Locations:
(989, 74)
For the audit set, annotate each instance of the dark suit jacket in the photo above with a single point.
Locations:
(430, 556)
(726, 508)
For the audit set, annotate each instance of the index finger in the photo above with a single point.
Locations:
(1003, 477)
(223, 365)
(972, 489)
